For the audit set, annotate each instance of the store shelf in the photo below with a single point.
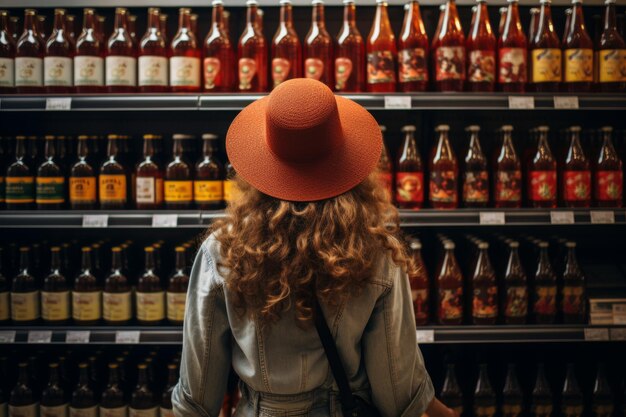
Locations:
(100, 335)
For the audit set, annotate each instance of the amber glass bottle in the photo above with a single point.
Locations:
(252, 53)
(484, 395)
(542, 174)
(611, 53)
(177, 289)
(576, 179)
(572, 402)
(475, 173)
(481, 52)
(577, 53)
(451, 393)
(449, 288)
(218, 55)
(318, 48)
(574, 305)
(89, 57)
(23, 400)
(608, 176)
(86, 294)
(149, 177)
(602, 401)
(515, 288)
(409, 173)
(484, 289)
(57, 64)
(116, 303)
(381, 53)
(444, 172)
(24, 292)
(7, 55)
(112, 401)
(150, 296)
(55, 294)
(152, 57)
(121, 60)
(112, 178)
(512, 52)
(286, 50)
(542, 402)
(349, 53)
(512, 395)
(29, 57)
(413, 51)
(83, 401)
(545, 289)
(545, 54)
(208, 184)
(53, 398)
(507, 173)
(50, 182)
(20, 179)
(82, 181)
(142, 399)
(184, 57)
(166, 409)
(178, 182)
(419, 285)
(449, 54)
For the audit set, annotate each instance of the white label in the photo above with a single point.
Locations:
(54, 411)
(57, 71)
(84, 412)
(425, 336)
(77, 336)
(95, 220)
(121, 71)
(40, 336)
(5, 312)
(596, 335)
(184, 71)
(562, 217)
(114, 412)
(602, 217)
(397, 102)
(28, 72)
(165, 220)
(7, 72)
(150, 412)
(59, 103)
(145, 190)
(152, 70)
(88, 71)
(127, 336)
(166, 412)
(565, 102)
(23, 410)
(492, 217)
(618, 334)
(7, 336)
(521, 102)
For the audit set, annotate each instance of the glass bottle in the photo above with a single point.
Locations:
(507, 173)
(502, 11)
(121, 61)
(574, 291)
(116, 296)
(481, 52)
(166, 399)
(419, 284)
(515, 288)
(193, 18)
(576, 180)
(252, 53)
(568, 20)
(608, 176)
(184, 57)
(542, 176)
(55, 294)
(413, 51)
(5, 291)
(177, 289)
(449, 289)
(534, 23)
(512, 52)
(208, 184)
(50, 181)
(58, 64)
(484, 289)
(385, 168)
(611, 53)
(86, 294)
(149, 177)
(100, 24)
(163, 28)
(152, 61)
(545, 289)
(89, 57)
(142, 399)
(602, 403)
(178, 183)
(29, 54)
(83, 397)
(451, 394)
(286, 50)
(572, 403)
(578, 53)
(150, 295)
(381, 53)
(24, 292)
(484, 395)
(349, 53)
(409, 173)
(70, 27)
(545, 54)
(449, 51)
(444, 172)
(7, 55)
(541, 400)
(53, 403)
(318, 48)
(20, 179)
(512, 395)
(82, 181)
(112, 402)
(475, 174)
(112, 178)
(219, 57)
(23, 400)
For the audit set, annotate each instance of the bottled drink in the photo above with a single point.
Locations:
(409, 173)
(568, 21)
(484, 395)
(444, 172)
(208, 184)
(475, 175)
(149, 177)
(55, 294)
(578, 53)
(53, 403)
(542, 179)
(286, 50)
(484, 289)
(150, 295)
(121, 61)
(574, 292)
(572, 404)
(451, 394)
(112, 179)
(413, 51)
(100, 23)
(24, 292)
(178, 183)
(381, 53)
(541, 401)
(112, 403)
(544, 294)
(184, 57)
(576, 181)
(89, 57)
(83, 402)
(29, 57)
(385, 168)
(163, 27)
(5, 287)
(219, 56)
(419, 285)
(252, 53)
(14, 24)
(177, 289)
(449, 288)
(116, 296)
(611, 53)
(349, 53)
(152, 61)
(512, 52)
(449, 51)
(545, 54)
(86, 294)
(507, 173)
(502, 11)
(534, 23)
(166, 398)
(82, 181)
(512, 395)
(194, 24)
(20, 179)
(318, 48)
(602, 400)
(515, 288)
(608, 175)
(50, 182)
(481, 52)
(70, 27)
(142, 399)
(7, 55)
(23, 400)
(58, 63)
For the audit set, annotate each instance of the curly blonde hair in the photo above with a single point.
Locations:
(275, 253)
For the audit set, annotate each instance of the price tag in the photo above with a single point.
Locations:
(95, 220)
(77, 336)
(562, 217)
(565, 102)
(521, 102)
(165, 220)
(492, 217)
(596, 335)
(40, 336)
(425, 336)
(7, 336)
(397, 102)
(59, 103)
(618, 334)
(127, 337)
(602, 217)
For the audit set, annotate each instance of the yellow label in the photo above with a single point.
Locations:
(54, 411)
(112, 188)
(579, 65)
(4, 306)
(116, 306)
(546, 65)
(83, 189)
(150, 306)
(206, 191)
(114, 412)
(23, 410)
(150, 412)
(230, 190)
(176, 306)
(25, 306)
(178, 191)
(612, 65)
(84, 412)
(86, 306)
(55, 306)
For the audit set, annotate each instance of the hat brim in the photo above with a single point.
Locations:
(334, 174)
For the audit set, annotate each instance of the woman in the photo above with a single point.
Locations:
(309, 220)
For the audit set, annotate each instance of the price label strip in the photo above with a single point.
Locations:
(397, 102)
(566, 102)
(562, 217)
(596, 334)
(77, 336)
(618, 334)
(165, 220)
(127, 337)
(59, 104)
(425, 336)
(40, 336)
(7, 336)
(521, 102)
(602, 217)
(95, 220)
(492, 217)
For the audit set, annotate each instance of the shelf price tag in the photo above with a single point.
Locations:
(565, 102)
(165, 220)
(596, 334)
(425, 336)
(491, 217)
(618, 334)
(77, 336)
(127, 336)
(397, 102)
(562, 217)
(59, 103)
(602, 217)
(7, 336)
(40, 336)
(521, 102)
(95, 220)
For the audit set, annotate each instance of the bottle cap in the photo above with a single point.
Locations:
(348, 1)
(569, 10)
(30, 12)
(59, 11)
(514, 244)
(150, 136)
(442, 7)
(472, 128)
(317, 2)
(543, 244)
(415, 244)
(85, 249)
(121, 10)
(543, 129)
(383, 128)
(182, 136)
(545, 1)
(606, 129)
(448, 244)
(284, 2)
(116, 249)
(609, 2)
(209, 136)
(507, 128)
(55, 249)
(148, 249)
(53, 365)
(570, 244)
(575, 128)
(217, 2)
(483, 245)
(252, 3)
(408, 128)
(381, 2)
(442, 128)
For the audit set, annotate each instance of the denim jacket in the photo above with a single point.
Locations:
(283, 368)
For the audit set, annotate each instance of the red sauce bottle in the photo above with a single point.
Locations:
(444, 173)
(507, 174)
(219, 56)
(484, 289)
(184, 57)
(7, 56)
(542, 178)
(512, 52)
(481, 52)
(419, 284)
(577, 53)
(121, 62)
(252, 54)
(413, 51)
(409, 173)
(381, 53)
(29, 57)
(608, 181)
(152, 62)
(449, 51)
(545, 54)
(349, 54)
(475, 174)
(286, 49)
(318, 48)
(611, 53)
(58, 61)
(576, 177)
(449, 288)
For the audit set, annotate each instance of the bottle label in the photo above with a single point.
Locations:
(572, 410)
(84, 412)
(176, 305)
(380, 67)
(20, 190)
(541, 410)
(230, 190)
(484, 411)
(476, 187)
(150, 306)
(387, 183)
(577, 185)
(508, 186)
(542, 185)
(516, 302)
(112, 188)
(166, 412)
(57, 71)
(314, 68)
(184, 71)
(2, 189)
(86, 306)
(247, 71)
(23, 410)
(450, 63)
(420, 303)
(450, 303)
(150, 412)
(28, 72)
(409, 186)
(116, 306)
(212, 68)
(208, 191)
(412, 65)
(88, 71)
(545, 300)
(50, 190)
(485, 302)
(609, 185)
(573, 299)
(4, 306)
(343, 70)
(611, 64)
(546, 65)
(513, 65)
(442, 186)
(482, 67)
(511, 410)
(152, 71)
(602, 410)
(579, 65)
(54, 411)
(7, 72)
(114, 412)
(25, 306)
(178, 191)
(121, 71)
(280, 70)
(83, 189)
(147, 189)
(55, 306)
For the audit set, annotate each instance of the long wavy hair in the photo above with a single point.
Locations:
(275, 253)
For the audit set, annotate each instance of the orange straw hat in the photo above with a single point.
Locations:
(303, 143)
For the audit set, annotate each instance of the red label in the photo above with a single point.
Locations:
(380, 67)
(443, 187)
(513, 67)
(412, 65)
(573, 302)
(609, 185)
(508, 186)
(476, 187)
(482, 67)
(450, 303)
(542, 185)
(343, 69)
(280, 70)
(410, 187)
(247, 71)
(545, 300)
(577, 185)
(485, 302)
(314, 68)
(450, 63)
(211, 70)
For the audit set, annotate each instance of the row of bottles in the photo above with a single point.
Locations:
(445, 182)
(480, 61)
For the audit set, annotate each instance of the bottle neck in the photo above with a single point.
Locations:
(83, 148)
(54, 376)
(218, 16)
(349, 15)
(543, 146)
(450, 19)
(607, 143)
(610, 19)
(544, 260)
(512, 18)
(149, 261)
(113, 148)
(483, 380)
(571, 263)
(59, 22)
(30, 23)
(86, 261)
(483, 265)
(514, 266)
(172, 376)
(154, 21)
(181, 262)
(116, 261)
(481, 24)
(382, 16)
(252, 16)
(207, 148)
(184, 22)
(49, 150)
(20, 148)
(24, 262)
(444, 150)
(177, 150)
(121, 22)
(113, 376)
(148, 148)
(83, 378)
(318, 15)
(474, 148)
(409, 150)
(4, 25)
(55, 261)
(142, 379)
(545, 21)
(23, 377)
(449, 261)
(286, 15)
(578, 20)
